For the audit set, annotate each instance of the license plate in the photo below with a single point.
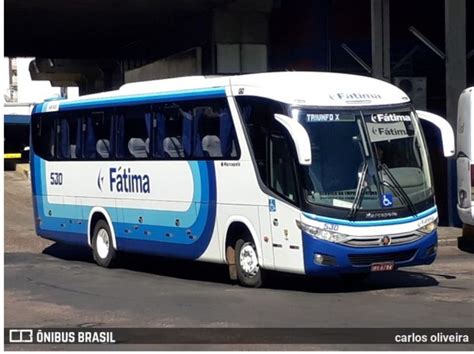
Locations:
(382, 267)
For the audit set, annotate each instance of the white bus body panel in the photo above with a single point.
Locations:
(465, 155)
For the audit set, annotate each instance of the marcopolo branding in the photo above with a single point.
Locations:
(390, 118)
(124, 180)
(355, 96)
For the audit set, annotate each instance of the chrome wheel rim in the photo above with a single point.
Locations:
(102, 243)
(248, 260)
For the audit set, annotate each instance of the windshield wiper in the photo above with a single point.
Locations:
(360, 191)
(397, 189)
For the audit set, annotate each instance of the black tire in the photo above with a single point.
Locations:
(251, 280)
(104, 259)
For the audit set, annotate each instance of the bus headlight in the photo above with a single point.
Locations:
(430, 227)
(321, 234)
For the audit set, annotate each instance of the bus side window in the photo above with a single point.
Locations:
(257, 115)
(207, 144)
(201, 130)
(134, 135)
(97, 136)
(282, 172)
(64, 150)
(158, 123)
(214, 136)
(228, 136)
(44, 137)
(74, 137)
(170, 129)
(75, 140)
(69, 135)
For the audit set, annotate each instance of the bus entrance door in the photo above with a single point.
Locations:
(286, 237)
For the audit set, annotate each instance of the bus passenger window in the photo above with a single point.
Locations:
(215, 136)
(97, 136)
(207, 142)
(75, 126)
(64, 149)
(44, 137)
(172, 127)
(201, 130)
(133, 133)
(228, 136)
(69, 137)
(156, 146)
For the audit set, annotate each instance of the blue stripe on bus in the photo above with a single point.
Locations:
(215, 92)
(38, 108)
(164, 238)
(372, 223)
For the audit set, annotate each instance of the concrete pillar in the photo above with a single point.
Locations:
(239, 41)
(380, 13)
(456, 58)
(456, 81)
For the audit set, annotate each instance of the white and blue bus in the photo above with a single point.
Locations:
(300, 172)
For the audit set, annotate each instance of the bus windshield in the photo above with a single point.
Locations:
(365, 160)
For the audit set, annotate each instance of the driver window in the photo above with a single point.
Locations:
(270, 144)
(282, 172)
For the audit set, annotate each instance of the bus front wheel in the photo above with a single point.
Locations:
(249, 271)
(103, 250)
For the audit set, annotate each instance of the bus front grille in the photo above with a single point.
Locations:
(368, 259)
(375, 241)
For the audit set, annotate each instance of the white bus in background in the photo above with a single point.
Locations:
(465, 166)
(301, 172)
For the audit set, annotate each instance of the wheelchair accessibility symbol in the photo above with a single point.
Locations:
(272, 205)
(387, 200)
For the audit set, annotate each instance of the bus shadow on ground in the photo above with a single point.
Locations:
(218, 273)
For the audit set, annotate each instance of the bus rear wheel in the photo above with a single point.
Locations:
(249, 271)
(103, 249)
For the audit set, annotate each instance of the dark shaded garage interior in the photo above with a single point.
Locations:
(424, 46)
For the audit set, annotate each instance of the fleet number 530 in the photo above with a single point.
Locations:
(56, 178)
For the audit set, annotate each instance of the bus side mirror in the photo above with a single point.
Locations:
(300, 138)
(447, 133)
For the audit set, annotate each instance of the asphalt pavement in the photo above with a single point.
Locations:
(55, 285)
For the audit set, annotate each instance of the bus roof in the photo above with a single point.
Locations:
(299, 88)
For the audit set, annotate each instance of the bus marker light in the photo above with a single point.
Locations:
(324, 259)
(432, 250)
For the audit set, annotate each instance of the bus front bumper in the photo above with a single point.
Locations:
(328, 258)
